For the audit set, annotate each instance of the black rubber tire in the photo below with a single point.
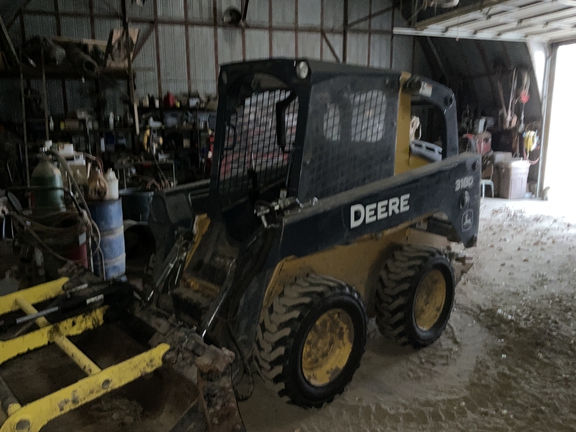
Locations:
(399, 280)
(282, 333)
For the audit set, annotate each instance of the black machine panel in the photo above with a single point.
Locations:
(450, 187)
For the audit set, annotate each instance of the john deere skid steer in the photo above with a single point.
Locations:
(322, 210)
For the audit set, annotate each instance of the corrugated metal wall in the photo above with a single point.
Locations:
(282, 28)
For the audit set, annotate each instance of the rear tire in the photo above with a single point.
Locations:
(415, 296)
(311, 340)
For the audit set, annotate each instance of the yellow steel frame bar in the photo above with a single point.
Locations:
(35, 415)
(32, 295)
(42, 337)
(62, 341)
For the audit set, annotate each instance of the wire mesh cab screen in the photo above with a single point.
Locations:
(252, 157)
(350, 136)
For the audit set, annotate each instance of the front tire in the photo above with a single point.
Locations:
(311, 340)
(415, 295)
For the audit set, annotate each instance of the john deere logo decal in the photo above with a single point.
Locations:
(367, 214)
(467, 220)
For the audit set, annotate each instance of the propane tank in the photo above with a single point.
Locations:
(46, 174)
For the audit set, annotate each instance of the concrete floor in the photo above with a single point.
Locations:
(505, 362)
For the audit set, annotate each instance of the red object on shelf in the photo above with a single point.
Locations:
(169, 100)
(78, 254)
(484, 142)
(208, 166)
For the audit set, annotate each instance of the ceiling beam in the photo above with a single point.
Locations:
(330, 46)
(460, 34)
(526, 12)
(545, 20)
(507, 11)
(458, 13)
(370, 16)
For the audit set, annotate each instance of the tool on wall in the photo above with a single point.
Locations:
(508, 118)
(524, 96)
(531, 142)
(234, 17)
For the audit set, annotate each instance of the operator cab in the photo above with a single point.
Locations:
(314, 129)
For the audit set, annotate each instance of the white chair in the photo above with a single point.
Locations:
(483, 184)
(487, 174)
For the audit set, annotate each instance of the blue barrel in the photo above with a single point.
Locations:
(136, 203)
(108, 217)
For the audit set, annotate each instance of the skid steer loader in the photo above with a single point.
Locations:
(317, 216)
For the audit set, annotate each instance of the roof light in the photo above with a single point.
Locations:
(302, 70)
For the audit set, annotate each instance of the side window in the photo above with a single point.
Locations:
(368, 116)
(332, 123)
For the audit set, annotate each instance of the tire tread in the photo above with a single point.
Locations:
(395, 288)
(281, 322)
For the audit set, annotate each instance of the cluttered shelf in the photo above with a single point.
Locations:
(83, 131)
(120, 130)
(147, 109)
(54, 72)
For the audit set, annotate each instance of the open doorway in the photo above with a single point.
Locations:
(561, 156)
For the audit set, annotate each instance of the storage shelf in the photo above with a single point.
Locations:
(54, 72)
(144, 109)
(120, 129)
(83, 131)
(179, 129)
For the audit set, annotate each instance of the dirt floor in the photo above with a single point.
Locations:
(504, 363)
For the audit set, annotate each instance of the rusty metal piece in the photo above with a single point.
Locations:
(214, 360)
(208, 366)
(155, 318)
(205, 288)
(81, 62)
(171, 357)
(462, 263)
(217, 391)
(78, 277)
(465, 259)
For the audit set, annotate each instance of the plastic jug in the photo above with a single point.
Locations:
(97, 186)
(112, 185)
(80, 177)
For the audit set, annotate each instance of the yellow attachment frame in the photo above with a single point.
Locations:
(42, 337)
(35, 415)
(32, 417)
(36, 294)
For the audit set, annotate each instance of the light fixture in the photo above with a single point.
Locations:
(302, 69)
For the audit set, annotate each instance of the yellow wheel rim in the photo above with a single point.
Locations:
(327, 347)
(430, 298)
